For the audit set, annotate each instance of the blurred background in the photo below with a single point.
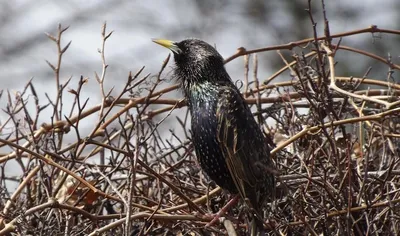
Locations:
(24, 46)
(228, 25)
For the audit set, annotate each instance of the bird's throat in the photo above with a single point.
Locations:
(200, 94)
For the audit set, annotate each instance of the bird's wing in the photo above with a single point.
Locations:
(240, 152)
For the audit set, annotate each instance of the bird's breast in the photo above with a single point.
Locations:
(204, 120)
(207, 147)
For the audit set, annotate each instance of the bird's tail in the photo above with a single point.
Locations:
(256, 226)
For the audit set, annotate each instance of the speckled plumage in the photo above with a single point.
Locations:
(228, 142)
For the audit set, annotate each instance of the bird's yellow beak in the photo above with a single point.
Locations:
(171, 45)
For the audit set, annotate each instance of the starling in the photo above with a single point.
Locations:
(229, 144)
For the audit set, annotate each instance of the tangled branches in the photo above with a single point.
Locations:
(336, 152)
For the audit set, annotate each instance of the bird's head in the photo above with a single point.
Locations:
(196, 61)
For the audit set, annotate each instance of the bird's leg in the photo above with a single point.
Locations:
(224, 209)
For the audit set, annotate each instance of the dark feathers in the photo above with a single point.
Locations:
(229, 144)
